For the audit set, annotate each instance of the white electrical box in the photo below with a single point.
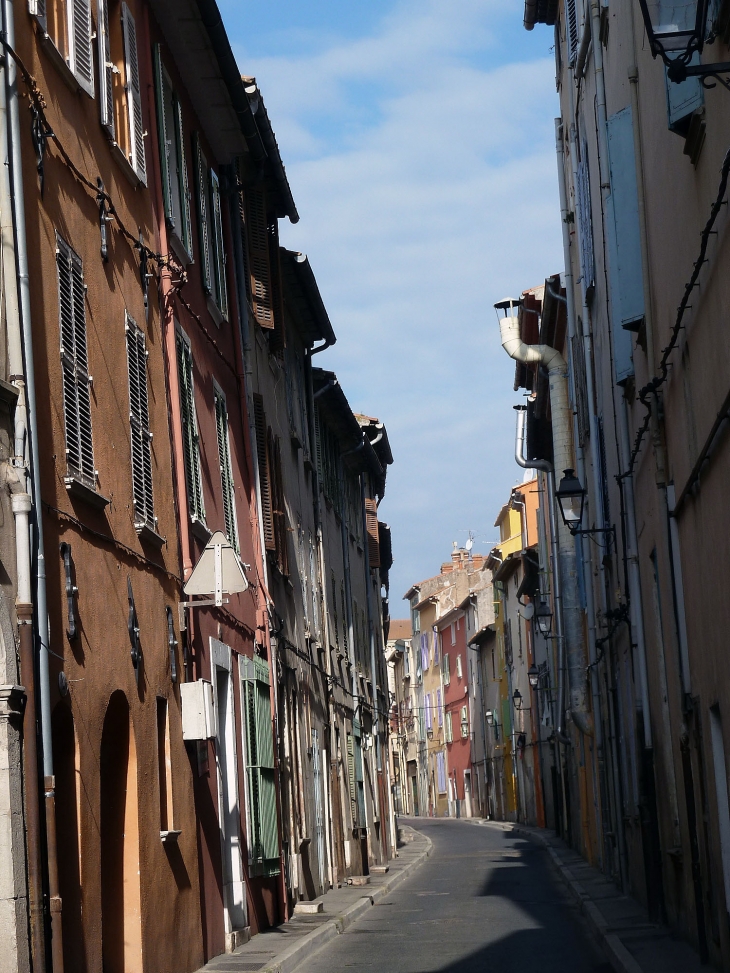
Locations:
(198, 713)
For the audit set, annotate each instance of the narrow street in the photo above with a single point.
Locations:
(483, 901)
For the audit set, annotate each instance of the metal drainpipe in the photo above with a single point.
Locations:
(16, 173)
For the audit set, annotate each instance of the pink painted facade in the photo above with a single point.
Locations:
(456, 709)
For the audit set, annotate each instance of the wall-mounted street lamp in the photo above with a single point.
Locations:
(544, 618)
(491, 718)
(517, 701)
(676, 32)
(571, 496)
(533, 676)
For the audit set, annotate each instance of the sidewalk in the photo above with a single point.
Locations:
(633, 944)
(281, 949)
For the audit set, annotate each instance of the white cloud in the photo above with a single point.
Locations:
(426, 186)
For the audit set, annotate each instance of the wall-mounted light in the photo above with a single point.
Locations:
(171, 643)
(533, 676)
(571, 497)
(71, 590)
(676, 33)
(543, 617)
(133, 629)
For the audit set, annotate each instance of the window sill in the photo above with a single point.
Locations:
(55, 56)
(80, 491)
(124, 164)
(178, 248)
(169, 837)
(215, 312)
(200, 530)
(149, 536)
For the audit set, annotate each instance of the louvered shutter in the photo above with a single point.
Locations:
(191, 446)
(37, 8)
(279, 511)
(318, 443)
(439, 711)
(585, 221)
(134, 96)
(224, 458)
(264, 839)
(449, 731)
(627, 267)
(571, 28)
(163, 135)
(219, 253)
(351, 777)
(74, 363)
(359, 781)
(371, 523)
(278, 339)
(258, 257)
(140, 427)
(201, 195)
(80, 57)
(183, 182)
(106, 92)
(264, 472)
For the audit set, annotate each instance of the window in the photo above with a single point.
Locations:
(439, 711)
(191, 444)
(139, 419)
(210, 232)
(453, 634)
(75, 366)
(224, 458)
(441, 771)
(446, 668)
(278, 506)
(262, 821)
(67, 24)
(449, 729)
(464, 722)
(407, 661)
(371, 525)
(164, 780)
(415, 619)
(175, 187)
(435, 647)
(258, 257)
(458, 667)
(424, 651)
(427, 707)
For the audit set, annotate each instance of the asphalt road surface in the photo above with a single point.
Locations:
(484, 902)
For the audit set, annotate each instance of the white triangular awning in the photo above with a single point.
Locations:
(219, 570)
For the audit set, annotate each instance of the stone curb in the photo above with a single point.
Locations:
(288, 960)
(620, 958)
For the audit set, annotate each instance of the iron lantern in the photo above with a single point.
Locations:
(571, 496)
(676, 32)
(544, 617)
(533, 676)
(489, 716)
(517, 699)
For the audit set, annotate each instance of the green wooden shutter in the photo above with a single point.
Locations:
(183, 182)
(264, 840)
(191, 446)
(134, 96)
(106, 91)
(75, 366)
(224, 458)
(139, 420)
(163, 135)
(219, 253)
(262, 454)
(201, 196)
(80, 55)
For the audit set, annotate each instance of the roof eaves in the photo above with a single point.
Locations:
(299, 275)
(278, 172)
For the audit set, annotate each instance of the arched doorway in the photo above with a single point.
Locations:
(66, 765)
(120, 888)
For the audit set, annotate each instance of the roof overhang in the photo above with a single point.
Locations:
(483, 635)
(311, 318)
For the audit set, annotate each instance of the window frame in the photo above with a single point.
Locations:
(228, 483)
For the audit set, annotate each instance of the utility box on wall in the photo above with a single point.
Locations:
(198, 714)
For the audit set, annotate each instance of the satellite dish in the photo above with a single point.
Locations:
(470, 543)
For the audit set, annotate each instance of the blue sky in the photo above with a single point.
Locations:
(418, 139)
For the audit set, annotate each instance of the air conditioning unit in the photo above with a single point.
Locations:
(198, 712)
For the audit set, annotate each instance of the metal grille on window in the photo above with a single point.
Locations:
(140, 422)
(224, 458)
(263, 829)
(134, 96)
(75, 366)
(191, 447)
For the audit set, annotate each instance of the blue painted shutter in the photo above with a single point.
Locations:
(439, 711)
(627, 266)
(585, 223)
(683, 99)
(623, 361)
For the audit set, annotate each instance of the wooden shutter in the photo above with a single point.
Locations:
(106, 90)
(449, 731)
(585, 222)
(219, 253)
(625, 201)
(262, 453)
(279, 508)
(224, 458)
(201, 196)
(264, 839)
(164, 137)
(140, 422)
(37, 9)
(191, 445)
(134, 96)
(351, 777)
(182, 179)
(371, 523)
(571, 28)
(278, 338)
(74, 363)
(258, 257)
(80, 56)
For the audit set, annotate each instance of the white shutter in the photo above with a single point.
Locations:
(74, 364)
(221, 294)
(80, 57)
(106, 92)
(134, 96)
(191, 450)
(224, 457)
(37, 9)
(139, 420)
